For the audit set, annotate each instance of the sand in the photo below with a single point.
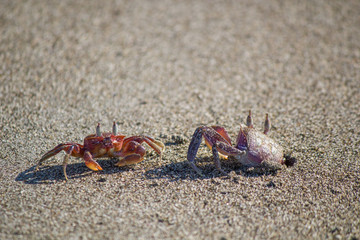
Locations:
(163, 68)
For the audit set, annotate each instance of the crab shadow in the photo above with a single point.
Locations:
(182, 170)
(53, 174)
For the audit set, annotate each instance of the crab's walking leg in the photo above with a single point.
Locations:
(158, 146)
(215, 135)
(217, 159)
(224, 149)
(224, 137)
(63, 146)
(215, 141)
(193, 148)
(134, 152)
(66, 160)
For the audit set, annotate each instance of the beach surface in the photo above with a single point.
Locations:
(163, 68)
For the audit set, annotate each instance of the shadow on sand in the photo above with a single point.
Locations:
(172, 172)
(52, 174)
(182, 170)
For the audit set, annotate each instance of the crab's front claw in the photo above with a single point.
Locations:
(90, 163)
(93, 165)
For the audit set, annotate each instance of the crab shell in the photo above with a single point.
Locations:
(261, 150)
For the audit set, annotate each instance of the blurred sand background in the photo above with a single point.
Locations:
(162, 68)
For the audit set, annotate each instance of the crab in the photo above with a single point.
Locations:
(253, 148)
(108, 144)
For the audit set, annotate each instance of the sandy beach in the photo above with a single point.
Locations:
(163, 68)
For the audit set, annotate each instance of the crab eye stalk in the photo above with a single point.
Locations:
(98, 132)
(114, 128)
(267, 124)
(249, 121)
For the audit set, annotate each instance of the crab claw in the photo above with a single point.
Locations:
(93, 166)
(90, 163)
(217, 139)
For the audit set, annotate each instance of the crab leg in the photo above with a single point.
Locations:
(193, 149)
(211, 136)
(158, 146)
(222, 132)
(217, 160)
(76, 149)
(133, 151)
(228, 150)
(214, 141)
(66, 160)
(194, 145)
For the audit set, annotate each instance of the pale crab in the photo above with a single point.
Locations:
(108, 144)
(253, 148)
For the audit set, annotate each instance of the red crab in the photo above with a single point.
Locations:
(253, 148)
(106, 145)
